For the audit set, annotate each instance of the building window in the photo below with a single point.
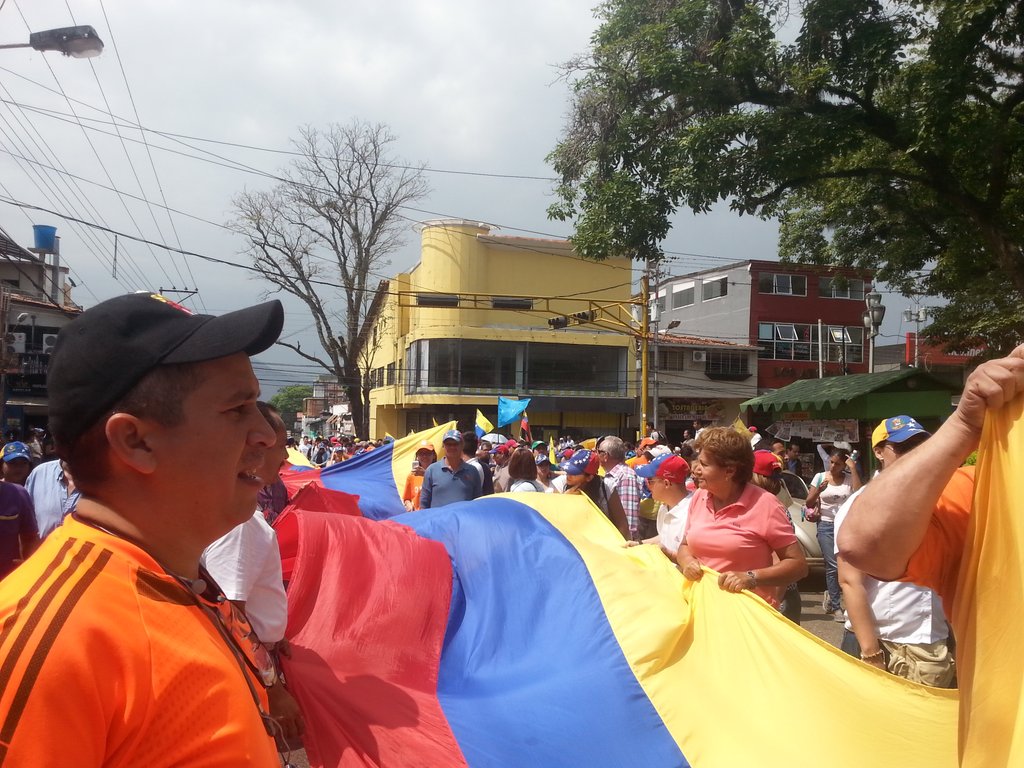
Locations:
(389, 378)
(841, 288)
(443, 363)
(574, 367)
(727, 363)
(682, 296)
(670, 359)
(475, 366)
(714, 288)
(487, 365)
(799, 341)
(783, 285)
(785, 331)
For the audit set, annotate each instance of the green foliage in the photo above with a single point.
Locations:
(885, 135)
(289, 399)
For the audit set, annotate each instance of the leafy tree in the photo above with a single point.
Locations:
(289, 399)
(884, 135)
(322, 233)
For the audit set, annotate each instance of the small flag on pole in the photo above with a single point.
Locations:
(524, 427)
(483, 426)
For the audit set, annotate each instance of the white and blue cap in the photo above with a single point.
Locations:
(585, 462)
(897, 429)
(452, 434)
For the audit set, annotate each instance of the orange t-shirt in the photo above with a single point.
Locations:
(107, 661)
(413, 485)
(936, 563)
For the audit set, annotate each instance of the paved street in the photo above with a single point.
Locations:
(816, 621)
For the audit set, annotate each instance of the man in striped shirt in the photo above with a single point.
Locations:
(612, 452)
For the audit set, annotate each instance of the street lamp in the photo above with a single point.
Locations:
(77, 42)
(873, 316)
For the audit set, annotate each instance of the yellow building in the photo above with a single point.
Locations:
(471, 322)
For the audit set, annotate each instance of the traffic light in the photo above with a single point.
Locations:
(558, 322)
(585, 317)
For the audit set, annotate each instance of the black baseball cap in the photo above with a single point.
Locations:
(104, 352)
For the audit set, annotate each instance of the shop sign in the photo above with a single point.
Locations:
(693, 410)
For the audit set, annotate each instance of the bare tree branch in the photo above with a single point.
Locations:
(337, 215)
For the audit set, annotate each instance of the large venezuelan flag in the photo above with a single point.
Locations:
(517, 630)
(377, 477)
(990, 600)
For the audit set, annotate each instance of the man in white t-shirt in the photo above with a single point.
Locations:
(246, 564)
(895, 625)
(666, 477)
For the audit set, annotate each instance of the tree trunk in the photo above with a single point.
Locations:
(1008, 253)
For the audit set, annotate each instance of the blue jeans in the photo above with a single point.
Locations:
(827, 542)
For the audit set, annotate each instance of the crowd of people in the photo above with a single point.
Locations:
(125, 560)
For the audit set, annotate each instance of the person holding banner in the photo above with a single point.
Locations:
(734, 527)
(913, 523)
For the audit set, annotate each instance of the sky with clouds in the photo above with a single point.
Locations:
(465, 85)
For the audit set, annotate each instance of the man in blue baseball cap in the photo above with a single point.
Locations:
(451, 479)
(913, 523)
(17, 462)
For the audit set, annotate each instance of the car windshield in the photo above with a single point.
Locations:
(796, 487)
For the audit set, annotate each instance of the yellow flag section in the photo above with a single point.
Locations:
(297, 459)
(990, 600)
(404, 451)
(738, 685)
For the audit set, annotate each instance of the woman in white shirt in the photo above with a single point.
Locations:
(830, 490)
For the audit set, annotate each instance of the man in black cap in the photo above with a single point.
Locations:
(117, 647)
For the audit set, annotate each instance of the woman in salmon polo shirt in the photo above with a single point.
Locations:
(734, 527)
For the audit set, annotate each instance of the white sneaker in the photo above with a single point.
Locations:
(839, 616)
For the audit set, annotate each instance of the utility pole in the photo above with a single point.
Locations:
(917, 315)
(645, 295)
(657, 330)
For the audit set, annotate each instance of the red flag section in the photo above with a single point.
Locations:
(381, 594)
(315, 498)
(295, 478)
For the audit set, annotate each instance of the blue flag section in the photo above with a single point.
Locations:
(377, 477)
(369, 477)
(510, 410)
(531, 639)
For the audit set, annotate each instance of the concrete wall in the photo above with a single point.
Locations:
(725, 319)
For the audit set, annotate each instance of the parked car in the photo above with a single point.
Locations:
(794, 497)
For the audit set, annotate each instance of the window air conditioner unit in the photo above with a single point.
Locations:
(700, 356)
(49, 340)
(14, 344)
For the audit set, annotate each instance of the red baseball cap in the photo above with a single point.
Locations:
(670, 467)
(766, 463)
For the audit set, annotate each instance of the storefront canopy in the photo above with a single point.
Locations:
(862, 395)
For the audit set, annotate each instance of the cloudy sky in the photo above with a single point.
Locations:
(466, 85)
